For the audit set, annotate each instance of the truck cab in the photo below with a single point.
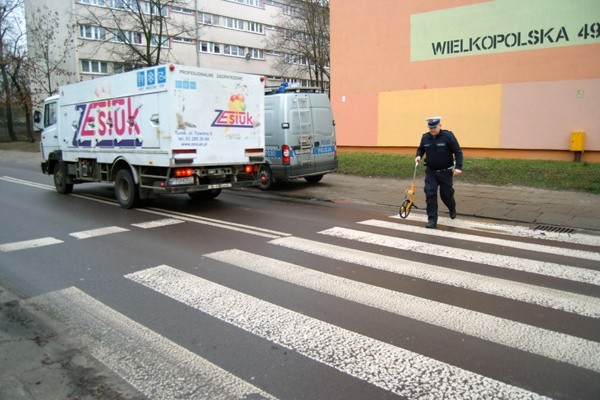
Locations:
(300, 139)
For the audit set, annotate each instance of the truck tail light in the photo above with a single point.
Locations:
(285, 154)
(184, 172)
(249, 169)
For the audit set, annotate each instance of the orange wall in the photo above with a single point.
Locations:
(381, 97)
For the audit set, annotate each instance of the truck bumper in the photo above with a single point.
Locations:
(210, 186)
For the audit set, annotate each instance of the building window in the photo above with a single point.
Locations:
(183, 40)
(93, 2)
(152, 9)
(209, 19)
(255, 27)
(126, 37)
(232, 50)
(257, 54)
(253, 3)
(209, 47)
(92, 32)
(182, 10)
(233, 23)
(155, 39)
(94, 67)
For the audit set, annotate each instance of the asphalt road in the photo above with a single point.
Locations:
(256, 295)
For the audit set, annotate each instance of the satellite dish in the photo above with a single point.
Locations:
(247, 56)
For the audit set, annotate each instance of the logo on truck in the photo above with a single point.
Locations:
(108, 123)
(235, 116)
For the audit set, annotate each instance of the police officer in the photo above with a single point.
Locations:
(444, 159)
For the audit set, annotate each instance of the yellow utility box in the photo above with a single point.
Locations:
(577, 141)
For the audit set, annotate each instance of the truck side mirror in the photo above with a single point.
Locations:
(37, 117)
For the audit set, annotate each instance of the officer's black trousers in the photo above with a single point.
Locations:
(443, 180)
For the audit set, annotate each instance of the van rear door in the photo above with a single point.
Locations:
(301, 132)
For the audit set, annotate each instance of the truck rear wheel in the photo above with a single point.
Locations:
(126, 190)
(61, 178)
(266, 178)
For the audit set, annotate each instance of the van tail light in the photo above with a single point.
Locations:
(285, 154)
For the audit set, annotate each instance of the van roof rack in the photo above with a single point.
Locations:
(291, 89)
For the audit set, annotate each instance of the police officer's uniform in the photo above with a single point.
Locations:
(443, 154)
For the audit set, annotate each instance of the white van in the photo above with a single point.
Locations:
(299, 136)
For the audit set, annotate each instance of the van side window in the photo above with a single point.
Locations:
(50, 114)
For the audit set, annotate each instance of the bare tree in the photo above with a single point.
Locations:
(137, 32)
(8, 10)
(303, 36)
(49, 53)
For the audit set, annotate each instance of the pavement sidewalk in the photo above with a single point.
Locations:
(547, 208)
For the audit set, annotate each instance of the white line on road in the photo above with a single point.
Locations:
(552, 298)
(253, 230)
(158, 223)
(496, 260)
(27, 183)
(29, 244)
(560, 347)
(154, 365)
(98, 232)
(392, 368)
(589, 255)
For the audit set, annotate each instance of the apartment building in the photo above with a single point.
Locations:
(101, 37)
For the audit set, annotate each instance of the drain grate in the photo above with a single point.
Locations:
(550, 228)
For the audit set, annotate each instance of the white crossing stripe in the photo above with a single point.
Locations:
(98, 232)
(29, 244)
(513, 230)
(560, 347)
(158, 223)
(496, 260)
(152, 364)
(392, 368)
(589, 255)
(552, 298)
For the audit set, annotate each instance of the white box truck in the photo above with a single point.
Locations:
(163, 129)
(300, 139)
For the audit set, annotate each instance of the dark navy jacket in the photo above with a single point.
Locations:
(441, 150)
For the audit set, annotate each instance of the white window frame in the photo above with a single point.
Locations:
(94, 67)
(210, 47)
(92, 32)
(149, 8)
(100, 3)
(180, 39)
(234, 50)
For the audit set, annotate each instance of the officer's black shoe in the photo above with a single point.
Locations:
(453, 213)
(431, 224)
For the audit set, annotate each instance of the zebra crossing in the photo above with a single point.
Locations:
(162, 369)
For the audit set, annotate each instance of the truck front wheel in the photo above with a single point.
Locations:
(61, 178)
(126, 190)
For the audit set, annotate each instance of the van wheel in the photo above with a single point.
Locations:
(126, 190)
(61, 178)
(313, 178)
(266, 178)
(205, 194)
